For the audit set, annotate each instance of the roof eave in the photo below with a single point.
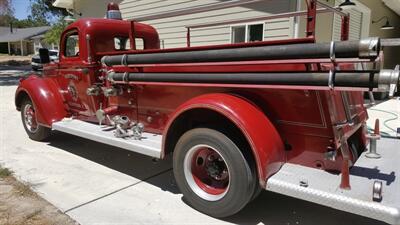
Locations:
(393, 5)
(65, 4)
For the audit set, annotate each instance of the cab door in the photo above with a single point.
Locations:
(76, 74)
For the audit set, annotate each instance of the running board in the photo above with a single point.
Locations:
(321, 187)
(149, 144)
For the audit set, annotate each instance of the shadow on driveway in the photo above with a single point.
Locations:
(268, 208)
(10, 75)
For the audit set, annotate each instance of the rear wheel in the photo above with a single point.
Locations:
(212, 173)
(29, 120)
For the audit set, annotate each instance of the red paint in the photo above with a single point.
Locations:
(46, 99)
(112, 6)
(267, 115)
(376, 129)
(345, 176)
(201, 175)
(311, 18)
(345, 27)
(260, 133)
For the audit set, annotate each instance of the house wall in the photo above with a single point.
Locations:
(328, 26)
(324, 25)
(379, 10)
(16, 49)
(29, 50)
(360, 17)
(92, 8)
(173, 32)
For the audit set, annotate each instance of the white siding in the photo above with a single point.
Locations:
(355, 25)
(173, 32)
(359, 22)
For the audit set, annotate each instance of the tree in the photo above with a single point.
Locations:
(6, 12)
(53, 35)
(43, 11)
(6, 7)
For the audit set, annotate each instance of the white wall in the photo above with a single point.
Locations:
(173, 32)
(92, 8)
(359, 22)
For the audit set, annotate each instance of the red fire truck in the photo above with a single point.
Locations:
(286, 116)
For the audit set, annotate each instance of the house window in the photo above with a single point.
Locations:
(247, 33)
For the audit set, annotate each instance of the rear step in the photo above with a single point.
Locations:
(321, 187)
(149, 144)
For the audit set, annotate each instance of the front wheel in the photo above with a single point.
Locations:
(212, 173)
(33, 129)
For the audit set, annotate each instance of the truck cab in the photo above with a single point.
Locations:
(83, 43)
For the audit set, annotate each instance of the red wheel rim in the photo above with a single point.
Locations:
(206, 172)
(30, 118)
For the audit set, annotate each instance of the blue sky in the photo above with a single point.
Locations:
(21, 8)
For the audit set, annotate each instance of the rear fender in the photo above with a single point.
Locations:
(46, 99)
(265, 142)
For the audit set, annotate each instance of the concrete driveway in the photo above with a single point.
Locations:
(99, 184)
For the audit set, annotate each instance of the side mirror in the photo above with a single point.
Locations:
(44, 56)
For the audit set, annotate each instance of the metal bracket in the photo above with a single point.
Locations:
(393, 86)
(124, 60)
(377, 191)
(332, 53)
(112, 91)
(89, 54)
(93, 90)
(331, 79)
(373, 138)
(125, 77)
(332, 71)
(110, 76)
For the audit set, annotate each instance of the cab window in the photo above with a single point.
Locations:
(122, 43)
(72, 45)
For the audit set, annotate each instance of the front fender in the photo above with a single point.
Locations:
(45, 96)
(265, 142)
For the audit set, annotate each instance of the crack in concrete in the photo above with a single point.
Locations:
(116, 191)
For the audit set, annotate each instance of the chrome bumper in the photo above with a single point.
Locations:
(321, 187)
